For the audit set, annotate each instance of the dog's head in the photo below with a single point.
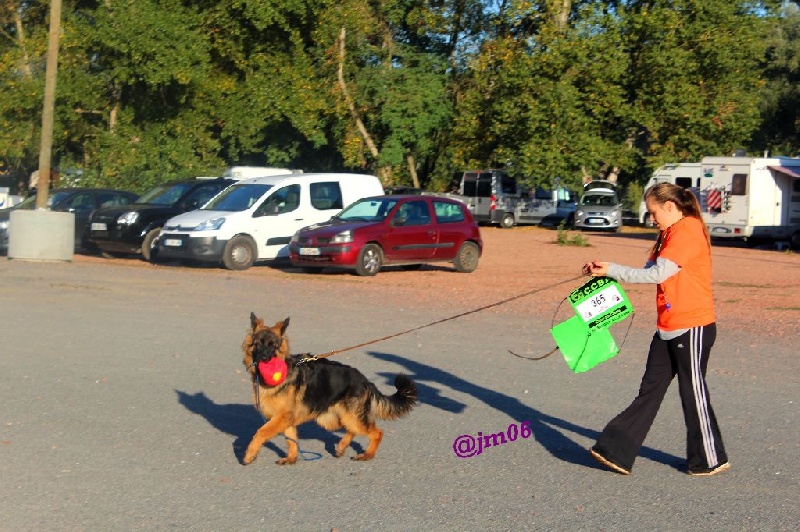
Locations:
(263, 343)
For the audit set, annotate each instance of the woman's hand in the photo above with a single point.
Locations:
(595, 268)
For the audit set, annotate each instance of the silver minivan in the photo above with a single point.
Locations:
(599, 207)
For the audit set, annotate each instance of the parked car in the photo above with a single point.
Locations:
(382, 230)
(131, 230)
(80, 201)
(254, 220)
(599, 207)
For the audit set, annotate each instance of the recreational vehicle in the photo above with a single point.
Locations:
(752, 198)
(686, 175)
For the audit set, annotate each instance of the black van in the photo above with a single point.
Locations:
(131, 229)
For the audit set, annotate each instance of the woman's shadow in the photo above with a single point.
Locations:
(547, 430)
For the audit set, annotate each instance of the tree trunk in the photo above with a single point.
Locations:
(26, 62)
(383, 172)
(412, 169)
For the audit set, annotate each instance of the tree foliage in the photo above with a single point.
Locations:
(150, 90)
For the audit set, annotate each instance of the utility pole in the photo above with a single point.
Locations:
(46, 146)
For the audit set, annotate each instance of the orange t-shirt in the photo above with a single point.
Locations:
(685, 300)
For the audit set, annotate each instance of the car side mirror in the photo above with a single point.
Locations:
(400, 220)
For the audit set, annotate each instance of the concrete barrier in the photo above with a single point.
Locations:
(41, 235)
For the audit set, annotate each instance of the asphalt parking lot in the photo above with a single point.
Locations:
(125, 407)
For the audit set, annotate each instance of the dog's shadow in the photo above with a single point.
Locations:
(549, 431)
(241, 421)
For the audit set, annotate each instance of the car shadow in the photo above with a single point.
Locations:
(548, 430)
(288, 268)
(242, 420)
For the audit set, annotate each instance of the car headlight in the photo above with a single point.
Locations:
(210, 225)
(128, 218)
(344, 237)
(614, 213)
(4, 224)
(579, 213)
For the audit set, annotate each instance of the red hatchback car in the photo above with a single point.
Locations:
(405, 230)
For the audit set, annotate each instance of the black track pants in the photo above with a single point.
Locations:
(687, 357)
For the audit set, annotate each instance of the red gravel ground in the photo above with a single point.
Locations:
(755, 289)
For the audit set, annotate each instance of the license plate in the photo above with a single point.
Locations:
(96, 226)
(173, 242)
(594, 220)
(309, 251)
(720, 230)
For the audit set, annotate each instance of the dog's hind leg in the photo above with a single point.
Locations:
(375, 436)
(269, 430)
(344, 443)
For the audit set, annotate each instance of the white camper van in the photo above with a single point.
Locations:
(753, 198)
(686, 175)
(254, 219)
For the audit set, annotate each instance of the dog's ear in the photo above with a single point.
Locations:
(254, 321)
(284, 326)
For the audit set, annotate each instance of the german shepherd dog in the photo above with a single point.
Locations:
(332, 394)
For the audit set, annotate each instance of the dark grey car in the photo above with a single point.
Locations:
(80, 201)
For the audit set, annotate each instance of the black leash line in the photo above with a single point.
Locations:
(312, 358)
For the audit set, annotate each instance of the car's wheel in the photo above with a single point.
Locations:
(147, 243)
(239, 253)
(467, 258)
(370, 260)
(508, 221)
(570, 221)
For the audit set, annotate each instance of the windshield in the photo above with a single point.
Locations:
(236, 198)
(367, 210)
(30, 202)
(598, 200)
(164, 194)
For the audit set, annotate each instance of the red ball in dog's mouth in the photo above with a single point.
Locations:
(273, 372)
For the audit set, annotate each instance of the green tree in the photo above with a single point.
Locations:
(779, 132)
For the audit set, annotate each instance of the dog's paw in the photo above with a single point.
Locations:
(363, 457)
(247, 460)
(286, 461)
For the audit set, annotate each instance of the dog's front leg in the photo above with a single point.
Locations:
(291, 442)
(269, 430)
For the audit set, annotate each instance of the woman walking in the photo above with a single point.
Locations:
(680, 266)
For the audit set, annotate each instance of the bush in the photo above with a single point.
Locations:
(565, 238)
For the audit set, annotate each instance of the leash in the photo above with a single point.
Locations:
(316, 455)
(312, 358)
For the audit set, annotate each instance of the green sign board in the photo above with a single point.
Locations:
(584, 339)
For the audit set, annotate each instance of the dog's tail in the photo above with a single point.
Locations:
(399, 403)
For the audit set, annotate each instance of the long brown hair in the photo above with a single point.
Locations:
(683, 198)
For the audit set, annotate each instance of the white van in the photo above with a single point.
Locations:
(686, 175)
(244, 172)
(254, 219)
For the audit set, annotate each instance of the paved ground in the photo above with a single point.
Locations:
(125, 407)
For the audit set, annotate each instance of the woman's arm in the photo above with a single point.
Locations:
(657, 272)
